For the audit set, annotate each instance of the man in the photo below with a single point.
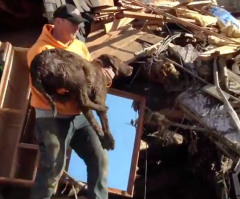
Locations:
(69, 127)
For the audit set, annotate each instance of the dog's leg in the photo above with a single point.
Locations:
(86, 102)
(108, 141)
(37, 83)
(88, 71)
(92, 120)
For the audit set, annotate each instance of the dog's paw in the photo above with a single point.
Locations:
(103, 108)
(100, 133)
(108, 142)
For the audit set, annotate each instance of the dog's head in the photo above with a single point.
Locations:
(118, 66)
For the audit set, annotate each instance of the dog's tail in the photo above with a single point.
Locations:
(37, 83)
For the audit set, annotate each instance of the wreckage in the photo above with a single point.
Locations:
(186, 62)
(194, 59)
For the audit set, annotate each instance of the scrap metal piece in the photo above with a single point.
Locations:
(211, 114)
(212, 90)
(228, 106)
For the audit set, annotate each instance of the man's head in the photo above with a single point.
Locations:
(66, 21)
(69, 12)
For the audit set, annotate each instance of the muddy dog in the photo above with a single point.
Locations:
(83, 80)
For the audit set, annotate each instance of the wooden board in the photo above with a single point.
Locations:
(146, 16)
(150, 38)
(122, 44)
(140, 15)
(111, 26)
(98, 3)
(223, 50)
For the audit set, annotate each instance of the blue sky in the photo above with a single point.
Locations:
(120, 114)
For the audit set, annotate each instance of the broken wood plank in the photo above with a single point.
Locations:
(146, 16)
(222, 50)
(122, 43)
(150, 38)
(148, 24)
(124, 46)
(183, 23)
(181, 4)
(139, 15)
(170, 4)
(96, 39)
(198, 4)
(117, 24)
(98, 3)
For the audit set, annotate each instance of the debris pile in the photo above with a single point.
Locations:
(186, 62)
(186, 59)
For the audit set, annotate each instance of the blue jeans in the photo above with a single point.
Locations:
(54, 137)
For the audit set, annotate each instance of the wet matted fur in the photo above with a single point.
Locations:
(83, 80)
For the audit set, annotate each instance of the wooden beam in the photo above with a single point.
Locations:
(139, 15)
(146, 16)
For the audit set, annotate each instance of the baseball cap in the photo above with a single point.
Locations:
(69, 12)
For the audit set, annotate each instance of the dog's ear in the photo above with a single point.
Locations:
(108, 60)
(116, 64)
(99, 62)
